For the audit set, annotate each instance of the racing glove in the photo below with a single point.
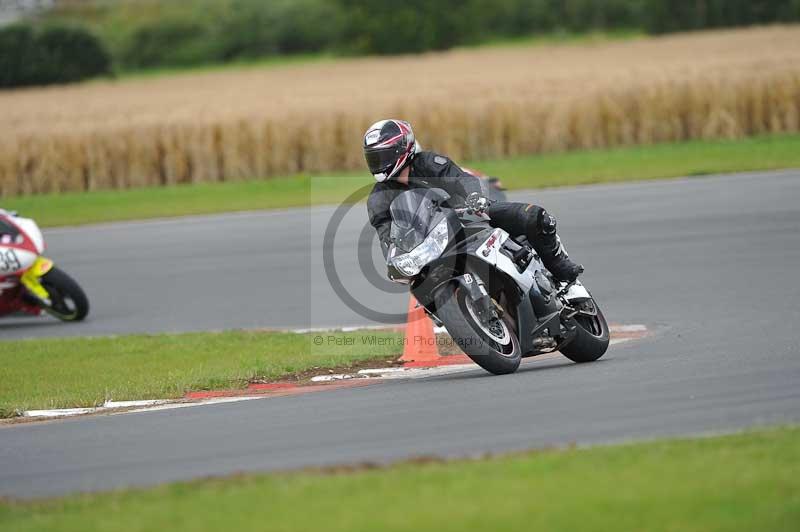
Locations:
(477, 203)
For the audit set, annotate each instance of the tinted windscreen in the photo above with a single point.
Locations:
(412, 213)
(8, 229)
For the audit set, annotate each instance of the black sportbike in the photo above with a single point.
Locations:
(489, 289)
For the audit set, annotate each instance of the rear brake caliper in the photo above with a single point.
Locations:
(31, 279)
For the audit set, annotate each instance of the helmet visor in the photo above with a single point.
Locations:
(381, 160)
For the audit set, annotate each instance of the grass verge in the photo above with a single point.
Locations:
(574, 168)
(745, 481)
(71, 372)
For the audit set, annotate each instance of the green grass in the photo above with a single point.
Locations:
(58, 373)
(745, 482)
(648, 162)
(574, 168)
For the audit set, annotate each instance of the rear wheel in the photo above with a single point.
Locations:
(592, 336)
(494, 346)
(68, 302)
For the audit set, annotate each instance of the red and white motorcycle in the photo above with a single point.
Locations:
(29, 282)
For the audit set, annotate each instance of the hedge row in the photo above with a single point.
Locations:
(245, 29)
(415, 25)
(150, 33)
(663, 16)
(50, 55)
(143, 34)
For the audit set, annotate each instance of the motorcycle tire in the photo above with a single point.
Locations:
(498, 353)
(68, 300)
(591, 339)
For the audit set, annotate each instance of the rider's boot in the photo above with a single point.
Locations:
(558, 262)
(548, 245)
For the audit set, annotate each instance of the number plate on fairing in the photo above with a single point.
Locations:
(13, 260)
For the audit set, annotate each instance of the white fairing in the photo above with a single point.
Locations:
(489, 251)
(32, 231)
(14, 260)
(491, 254)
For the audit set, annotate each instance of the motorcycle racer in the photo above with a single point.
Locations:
(397, 163)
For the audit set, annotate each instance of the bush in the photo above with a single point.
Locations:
(662, 16)
(255, 28)
(407, 27)
(419, 25)
(203, 33)
(71, 54)
(55, 54)
(18, 55)
(170, 43)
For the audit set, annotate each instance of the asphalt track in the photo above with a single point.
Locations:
(709, 264)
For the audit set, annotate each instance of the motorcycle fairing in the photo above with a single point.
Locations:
(15, 260)
(31, 236)
(490, 252)
(21, 243)
(34, 234)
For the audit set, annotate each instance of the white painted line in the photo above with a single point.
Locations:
(419, 373)
(173, 406)
(381, 371)
(129, 404)
(333, 328)
(334, 377)
(423, 373)
(61, 412)
(112, 407)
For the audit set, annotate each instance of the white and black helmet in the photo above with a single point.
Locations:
(389, 146)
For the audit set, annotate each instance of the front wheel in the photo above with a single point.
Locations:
(591, 336)
(68, 302)
(493, 347)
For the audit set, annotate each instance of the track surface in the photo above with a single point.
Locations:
(710, 264)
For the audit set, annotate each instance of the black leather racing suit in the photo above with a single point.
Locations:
(431, 170)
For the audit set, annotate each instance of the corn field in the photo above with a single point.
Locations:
(471, 104)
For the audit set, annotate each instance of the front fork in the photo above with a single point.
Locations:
(482, 302)
(31, 279)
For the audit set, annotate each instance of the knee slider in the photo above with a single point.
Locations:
(547, 223)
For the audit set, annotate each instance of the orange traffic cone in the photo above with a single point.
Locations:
(420, 342)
